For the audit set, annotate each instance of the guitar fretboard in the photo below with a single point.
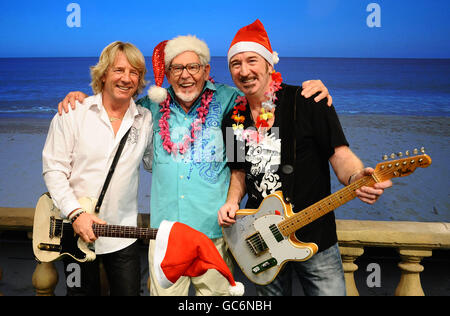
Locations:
(324, 206)
(124, 231)
(383, 171)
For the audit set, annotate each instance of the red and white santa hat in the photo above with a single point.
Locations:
(165, 52)
(183, 251)
(253, 38)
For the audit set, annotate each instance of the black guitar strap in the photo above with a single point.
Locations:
(288, 140)
(111, 171)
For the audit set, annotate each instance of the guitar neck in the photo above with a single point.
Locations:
(383, 171)
(324, 206)
(124, 231)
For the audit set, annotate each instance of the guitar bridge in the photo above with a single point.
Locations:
(256, 244)
(55, 227)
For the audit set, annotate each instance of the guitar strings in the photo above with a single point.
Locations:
(116, 229)
(257, 240)
(348, 192)
(301, 217)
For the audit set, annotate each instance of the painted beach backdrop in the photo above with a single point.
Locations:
(385, 106)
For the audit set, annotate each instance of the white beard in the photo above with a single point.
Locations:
(187, 97)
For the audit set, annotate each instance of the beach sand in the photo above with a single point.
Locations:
(422, 196)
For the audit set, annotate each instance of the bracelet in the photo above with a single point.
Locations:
(74, 212)
(75, 217)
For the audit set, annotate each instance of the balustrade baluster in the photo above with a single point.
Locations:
(411, 268)
(349, 254)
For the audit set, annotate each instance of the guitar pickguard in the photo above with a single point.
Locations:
(69, 244)
(54, 238)
(280, 249)
(258, 246)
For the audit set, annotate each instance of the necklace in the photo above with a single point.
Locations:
(113, 119)
(188, 139)
(265, 112)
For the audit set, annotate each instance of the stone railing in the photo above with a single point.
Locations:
(413, 241)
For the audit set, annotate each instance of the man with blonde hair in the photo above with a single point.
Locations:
(78, 153)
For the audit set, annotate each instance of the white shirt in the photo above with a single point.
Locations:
(78, 152)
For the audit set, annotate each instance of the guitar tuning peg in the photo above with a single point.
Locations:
(422, 150)
(392, 155)
(415, 151)
(385, 157)
(407, 153)
(400, 154)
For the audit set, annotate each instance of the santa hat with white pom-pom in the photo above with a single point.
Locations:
(165, 52)
(183, 251)
(253, 38)
(156, 92)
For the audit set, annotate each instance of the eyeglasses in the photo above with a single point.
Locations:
(192, 69)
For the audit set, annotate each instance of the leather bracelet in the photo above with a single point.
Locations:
(73, 219)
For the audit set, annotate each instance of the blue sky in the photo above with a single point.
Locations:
(301, 28)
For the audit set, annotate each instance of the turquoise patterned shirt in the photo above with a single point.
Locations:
(190, 188)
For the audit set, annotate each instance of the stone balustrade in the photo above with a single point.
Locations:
(413, 241)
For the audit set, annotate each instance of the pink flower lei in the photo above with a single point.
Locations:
(183, 146)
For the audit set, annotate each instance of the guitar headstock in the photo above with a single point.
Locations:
(401, 167)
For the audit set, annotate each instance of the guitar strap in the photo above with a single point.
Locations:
(111, 171)
(288, 140)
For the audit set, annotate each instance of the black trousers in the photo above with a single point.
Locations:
(123, 270)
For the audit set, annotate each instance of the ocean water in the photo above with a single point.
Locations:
(34, 86)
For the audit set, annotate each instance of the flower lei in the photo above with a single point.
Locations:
(187, 140)
(266, 107)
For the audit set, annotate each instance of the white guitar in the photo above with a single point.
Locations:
(263, 240)
(54, 238)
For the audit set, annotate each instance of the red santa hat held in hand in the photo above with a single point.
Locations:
(253, 38)
(183, 251)
(165, 52)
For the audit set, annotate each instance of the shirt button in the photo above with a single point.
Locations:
(181, 177)
(185, 118)
(182, 196)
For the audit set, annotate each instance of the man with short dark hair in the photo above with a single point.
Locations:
(295, 160)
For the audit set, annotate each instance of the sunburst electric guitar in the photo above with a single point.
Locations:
(263, 240)
(54, 238)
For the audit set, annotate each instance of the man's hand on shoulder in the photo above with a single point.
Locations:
(311, 87)
(71, 99)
